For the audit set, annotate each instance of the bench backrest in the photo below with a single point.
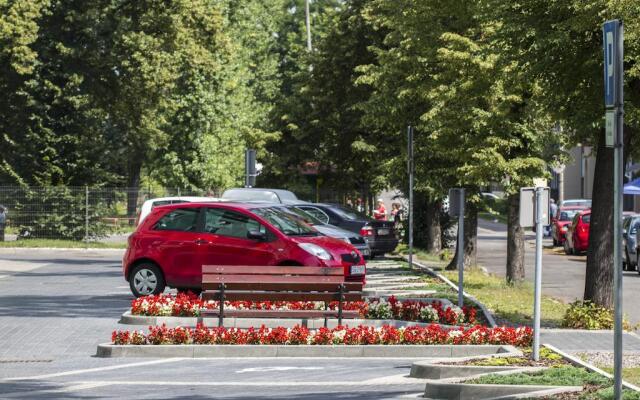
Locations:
(278, 283)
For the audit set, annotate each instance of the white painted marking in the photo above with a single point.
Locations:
(84, 371)
(3, 276)
(381, 382)
(270, 369)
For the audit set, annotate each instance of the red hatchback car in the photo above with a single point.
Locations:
(577, 237)
(170, 246)
(561, 221)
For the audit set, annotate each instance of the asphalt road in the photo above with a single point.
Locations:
(562, 276)
(56, 306)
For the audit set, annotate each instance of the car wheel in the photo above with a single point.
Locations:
(146, 279)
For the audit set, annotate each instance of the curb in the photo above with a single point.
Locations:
(430, 271)
(233, 322)
(427, 370)
(436, 390)
(580, 363)
(107, 350)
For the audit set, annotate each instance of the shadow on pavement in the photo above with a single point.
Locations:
(68, 306)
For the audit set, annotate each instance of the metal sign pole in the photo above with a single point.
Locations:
(613, 38)
(410, 170)
(538, 274)
(461, 249)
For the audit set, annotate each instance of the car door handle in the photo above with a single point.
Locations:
(202, 241)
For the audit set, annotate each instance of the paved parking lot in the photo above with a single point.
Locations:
(57, 305)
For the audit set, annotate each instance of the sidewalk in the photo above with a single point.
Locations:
(579, 341)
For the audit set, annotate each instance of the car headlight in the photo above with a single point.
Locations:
(315, 250)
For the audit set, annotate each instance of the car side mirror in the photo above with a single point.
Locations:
(257, 235)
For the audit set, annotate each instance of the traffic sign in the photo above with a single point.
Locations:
(612, 47)
(610, 125)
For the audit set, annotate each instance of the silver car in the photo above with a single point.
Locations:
(630, 242)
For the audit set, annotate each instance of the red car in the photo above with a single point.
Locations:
(561, 221)
(173, 242)
(577, 238)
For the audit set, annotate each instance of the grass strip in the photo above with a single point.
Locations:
(510, 303)
(595, 385)
(55, 243)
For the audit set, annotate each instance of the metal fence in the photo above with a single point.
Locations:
(76, 213)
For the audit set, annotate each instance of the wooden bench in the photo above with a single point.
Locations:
(278, 283)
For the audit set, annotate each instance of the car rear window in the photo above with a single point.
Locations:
(586, 218)
(567, 215)
(181, 219)
(348, 213)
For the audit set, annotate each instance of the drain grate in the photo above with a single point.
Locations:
(27, 360)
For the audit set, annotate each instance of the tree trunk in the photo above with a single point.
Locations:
(133, 186)
(598, 285)
(432, 225)
(470, 238)
(515, 241)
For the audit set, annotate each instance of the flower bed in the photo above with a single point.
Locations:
(189, 305)
(342, 335)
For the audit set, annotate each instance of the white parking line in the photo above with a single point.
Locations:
(383, 381)
(84, 371)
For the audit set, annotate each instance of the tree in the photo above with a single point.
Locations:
(559, 46)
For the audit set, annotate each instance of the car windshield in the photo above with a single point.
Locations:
(286, 223)
(306, 217)
(348, 213)
(567, 215)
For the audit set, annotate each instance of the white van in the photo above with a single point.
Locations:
(150, 204)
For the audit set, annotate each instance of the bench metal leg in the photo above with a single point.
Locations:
(221, 314)
(341, 294)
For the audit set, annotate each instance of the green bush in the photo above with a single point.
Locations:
(588, 315)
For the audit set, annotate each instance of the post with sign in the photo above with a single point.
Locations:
(613, 37)
(410, 172)
(250, 168)
(456, 209)
(534, 211)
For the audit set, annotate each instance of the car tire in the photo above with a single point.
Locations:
(146, 279)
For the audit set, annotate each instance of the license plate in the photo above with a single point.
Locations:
(357, 270)
(383, 232)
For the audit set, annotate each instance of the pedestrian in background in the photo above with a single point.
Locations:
(380, 213)
(553, 210)
(3, 220)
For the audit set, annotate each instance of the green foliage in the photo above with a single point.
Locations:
(561, 376)
(588, 315)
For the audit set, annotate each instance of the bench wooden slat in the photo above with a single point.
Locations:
(208, 278)
(270, 270)
(237, 295)
(281, 313)
(285, 286)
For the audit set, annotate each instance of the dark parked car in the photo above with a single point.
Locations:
(380, 235)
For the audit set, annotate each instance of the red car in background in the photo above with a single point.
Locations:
(172, 243)
(577, 237)
(561, 221)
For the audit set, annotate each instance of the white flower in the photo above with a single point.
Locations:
(428, 314)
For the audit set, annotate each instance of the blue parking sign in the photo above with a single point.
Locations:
(611, 37)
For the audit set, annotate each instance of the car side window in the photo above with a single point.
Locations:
(181, 219)
(316, 212)
(223, 222)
